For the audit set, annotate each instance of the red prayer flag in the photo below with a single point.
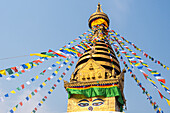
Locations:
(50, 50)
(45, 97)
(133, 61)
(37, 61)
(35, 109)
(48, 78)
(15, 69)
(44, 71)
(159, 62)
(35, 90)
(55, 85)
(160, 94)
(22, 86)
(133, 53)
(23, 71)
(161, 80)
(145, 75)
(64, 73)
(79, 55)
(21, 103)
(72, 62)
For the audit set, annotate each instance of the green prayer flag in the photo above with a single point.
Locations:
(41, 73)
(61, 60)
(71, 64)
(9, 70)
(18, 89)
(62, 76)
(16, 106)
(53, 87)
(19, 72)
(57, 69)
(45, 81)
(31, 63)
(43, 99)
(33, 93)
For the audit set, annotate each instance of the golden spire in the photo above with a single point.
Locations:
(99, 9)
(99, 17)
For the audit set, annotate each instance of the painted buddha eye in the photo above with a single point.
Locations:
(83, 104)
(97, 103)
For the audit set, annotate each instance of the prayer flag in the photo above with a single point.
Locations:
(13, 92)
(9, 71)
(36, 77)
(160, 94)
(30, 95)
(6, 95)
(28, 83)
(17, 74)
(22, 86)
(14, 109)
(28, 66)
(43, 84)
(15, 69)
(168, 102)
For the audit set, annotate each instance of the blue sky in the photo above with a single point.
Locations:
(33, 26)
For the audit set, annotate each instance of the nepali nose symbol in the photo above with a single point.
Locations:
(90, 108)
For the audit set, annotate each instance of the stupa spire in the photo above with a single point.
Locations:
(99, 9)
(99, 17)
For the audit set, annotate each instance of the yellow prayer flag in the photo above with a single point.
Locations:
(16, 74)
(51, 90)
(60, 78)
(37, 77)
(40, 55)
(165, 87)
(30, 95)
(69, 66)
(55, 72)
(113, 66)
(58, 62)
(154, 73)
(3, 72)
(13, 92)
(118, 55)
(168, 102)
(167, 68)
(34, 65)
(152, 81)
(71, 42)
(43, 84)
(41, 102)
(14, 109)
(164, 66)
(66, 61)
(137, 64)
(28, 65)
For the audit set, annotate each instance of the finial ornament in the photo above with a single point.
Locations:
(99, 9)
